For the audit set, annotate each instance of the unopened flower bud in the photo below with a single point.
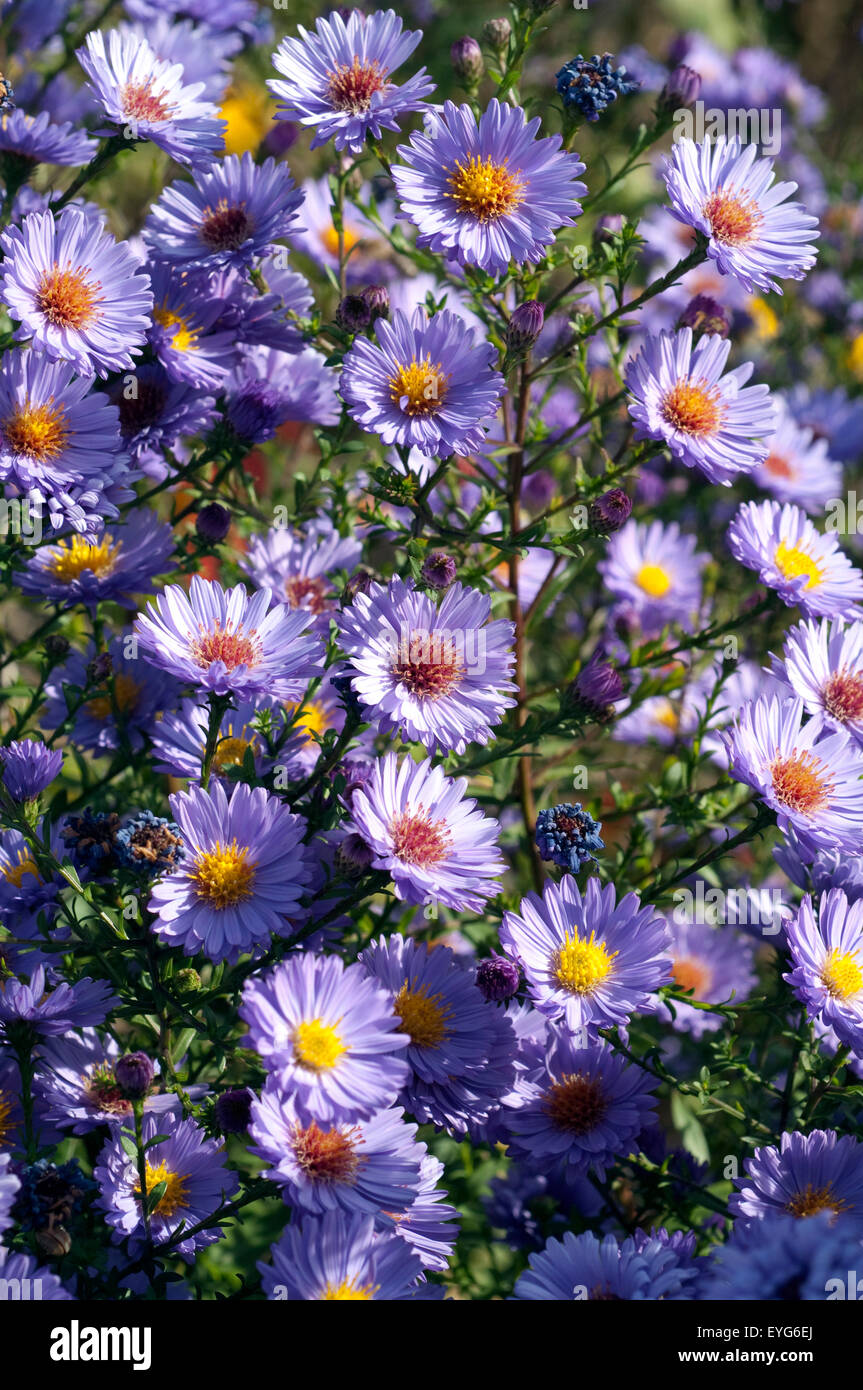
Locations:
(497, 978)
(213, 522)
(377, 298)
(525, 326)
(187, 981)
(56, 647)
(233, 1110)
(353, 313)
(439, 569)
(610, 511)
(467, 62)
(134, 1074)
(100, 668)
(353, 856)
(497, 34)
(681, 90)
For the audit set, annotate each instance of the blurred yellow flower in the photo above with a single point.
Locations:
(764, 317)
(855, 356)
(249, 113)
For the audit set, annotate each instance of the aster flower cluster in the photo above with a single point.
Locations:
(431, 764)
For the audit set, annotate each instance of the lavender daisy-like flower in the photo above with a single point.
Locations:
(727, 193)
(806, 1175)
(155, 411)
(77, 1086)
(299, 564)
(487, 192)
(241, 871)
(191, 1166)
(24, 1272)
(429, 1225)
(229, 215)
(812, 782)
(147, 97)
(338, 78)
(823, 664)
(438, 675)
(709, 421)
(28, 767)
(41, 1014)
(268, 387)
(587, 958)
(122, 708)
(798, 467)
(828, 964)
(369, 1166)
(435, 843)
(118, 565)
(340, 1258)
(75, 291)
(802, 566)
(330, 1035)
(587, 1268)
(425, 384)
(185, 335)
(222, 641)
(32, 140)
(717, 964)
(656, 569)
(581, 1108)
(462, 1048)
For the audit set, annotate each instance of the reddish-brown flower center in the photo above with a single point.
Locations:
(352, 88)
(417, 839)
(576, 1103)
(68, 298)
(232, 646)
(735, 220)
(429, 665)
(327, 1155)
(800, 782)
(225, 228)
(141, 103)
(843, 695)
(692, 406)
(306, 591)
(778, 466)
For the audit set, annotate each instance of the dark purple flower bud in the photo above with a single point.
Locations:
(525, 326)
(607, 226)
(56, 647)
(497, 978)
(233, 1110)
(344, 688)
(598, 683)
(280, 137)
(256, 412)
(439, 569)
(704, 314)
(681, 90)
(360, 582)
(353, 856)
(537, 490)
(610, 511)
(213, 522)
(100, 668)
(467, 62)
(356, 774)
(134, 1075)
(497, 33)
(353, 313)
(377, 298)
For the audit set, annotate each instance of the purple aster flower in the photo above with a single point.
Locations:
(804, 567)
(717, 964)
(44, 1015)
(812, 782)
(439, 676)
(121, 711)
(78, 1089)
(184, 335)
(180, 738)
(708, 421)
(299, 565)
(798, 467)
(155, 412)
(488, 192)
(9, 1185)
(828, 964)
(433, 841)
(32, 140)
(217, 15)
(587, 958)
(591, 85)
(148, 98)
(229, 215)
(330, 1034)
(75, 291)
(568, 835)
(270, 320)
(269, 386)
(205, 54)
(425, 384)
(727, 193)
(657, 570)
(807, 1174)
(54, 432)
(338, 78)
(585, 1267)
(338, 1257)
(823, 664)
(581, 1107)
(241, 871)
(369, 1166)
(429, 1225)
(779, 1260)
(25, 896)
(25, 1273)
(28, 767)
(220, 640)
(462, 1048)
(121, 564)
(196, 1180)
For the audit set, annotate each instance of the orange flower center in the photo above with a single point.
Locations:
(693, 407)
(800, 782)
(691, 974)
(327, 1155)
(68, 298)
(304, 591)
(232, 646)
(734, 220)
(843, 695)
(37, 431)
(429, 666)
(141, 103)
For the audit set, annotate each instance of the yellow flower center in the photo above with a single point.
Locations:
(668, 717)
(14, 873)
(176, 1193)
(792, 562)
(581, 966)
(184, 338)
(842, 975)
(126, 693)
(5, 1118)
(314, 719)
(423, 1016)
(330, 238)
(224, 876)
(485, 190)
(349, 1291)
(72, 557)
(37, 431)
(763, 316)
(317, 1045)
(693, 407)
(653, 580)
(68, 297)
(419, 388)
(811, 1200)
